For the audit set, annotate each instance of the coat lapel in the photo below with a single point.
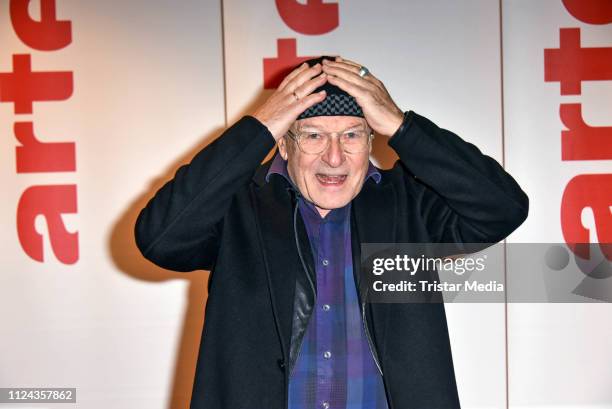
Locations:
(373, 220)
(274, 212)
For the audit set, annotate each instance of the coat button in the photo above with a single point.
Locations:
(281, 364)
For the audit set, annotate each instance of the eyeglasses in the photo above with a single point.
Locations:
(316, 142)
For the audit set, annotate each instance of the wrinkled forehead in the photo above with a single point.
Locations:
(331, 123)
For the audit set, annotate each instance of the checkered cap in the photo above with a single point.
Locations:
(336, 103)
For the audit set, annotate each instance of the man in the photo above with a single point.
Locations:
(286, 326)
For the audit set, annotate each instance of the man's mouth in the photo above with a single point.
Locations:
(331, 180)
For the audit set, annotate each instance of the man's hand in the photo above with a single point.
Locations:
(379, 110)
(291, 98)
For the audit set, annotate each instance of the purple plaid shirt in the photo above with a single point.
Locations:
(335, 368)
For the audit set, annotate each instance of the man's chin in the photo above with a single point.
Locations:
(330, 205)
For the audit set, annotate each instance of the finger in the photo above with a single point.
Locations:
(303, 76)
(350, 67)
(330, 59)
(369, 77)
(306, 102)
(309, 86)
(338, 68)
(344, 60)
(292, 75)
(341, 64)
(348, 75)
(352, 89)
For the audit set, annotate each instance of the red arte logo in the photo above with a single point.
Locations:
(23, 87)
(312, 18)
(570, 64)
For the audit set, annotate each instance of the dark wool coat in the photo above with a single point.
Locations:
(219, 214)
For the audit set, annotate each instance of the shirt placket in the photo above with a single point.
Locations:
(325, 357)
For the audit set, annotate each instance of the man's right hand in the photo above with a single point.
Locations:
(292, 97)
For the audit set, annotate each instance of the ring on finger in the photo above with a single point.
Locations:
(295, 96)
(363, 71)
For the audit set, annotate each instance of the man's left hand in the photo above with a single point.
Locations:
(381, 113)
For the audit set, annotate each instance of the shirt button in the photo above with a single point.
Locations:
(325, 405)
(325, 261)
(326, 354)
(326, 307)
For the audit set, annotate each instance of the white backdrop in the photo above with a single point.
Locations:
(153, 82)
(148, 92)
(559, 354)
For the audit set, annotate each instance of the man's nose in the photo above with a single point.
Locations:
(334, 155)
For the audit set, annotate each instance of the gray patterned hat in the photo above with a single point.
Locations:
(337, 101)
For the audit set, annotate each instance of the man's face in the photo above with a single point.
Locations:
(332, 178)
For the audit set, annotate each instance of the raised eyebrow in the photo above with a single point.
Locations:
(357, 127)
(308, 129)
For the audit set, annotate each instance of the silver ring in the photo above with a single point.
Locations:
(363, 71)
(296, 97)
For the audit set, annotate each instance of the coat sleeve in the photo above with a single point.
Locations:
(179, 228)
(467, 197)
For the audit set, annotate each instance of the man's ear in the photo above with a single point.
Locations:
(282, 147)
